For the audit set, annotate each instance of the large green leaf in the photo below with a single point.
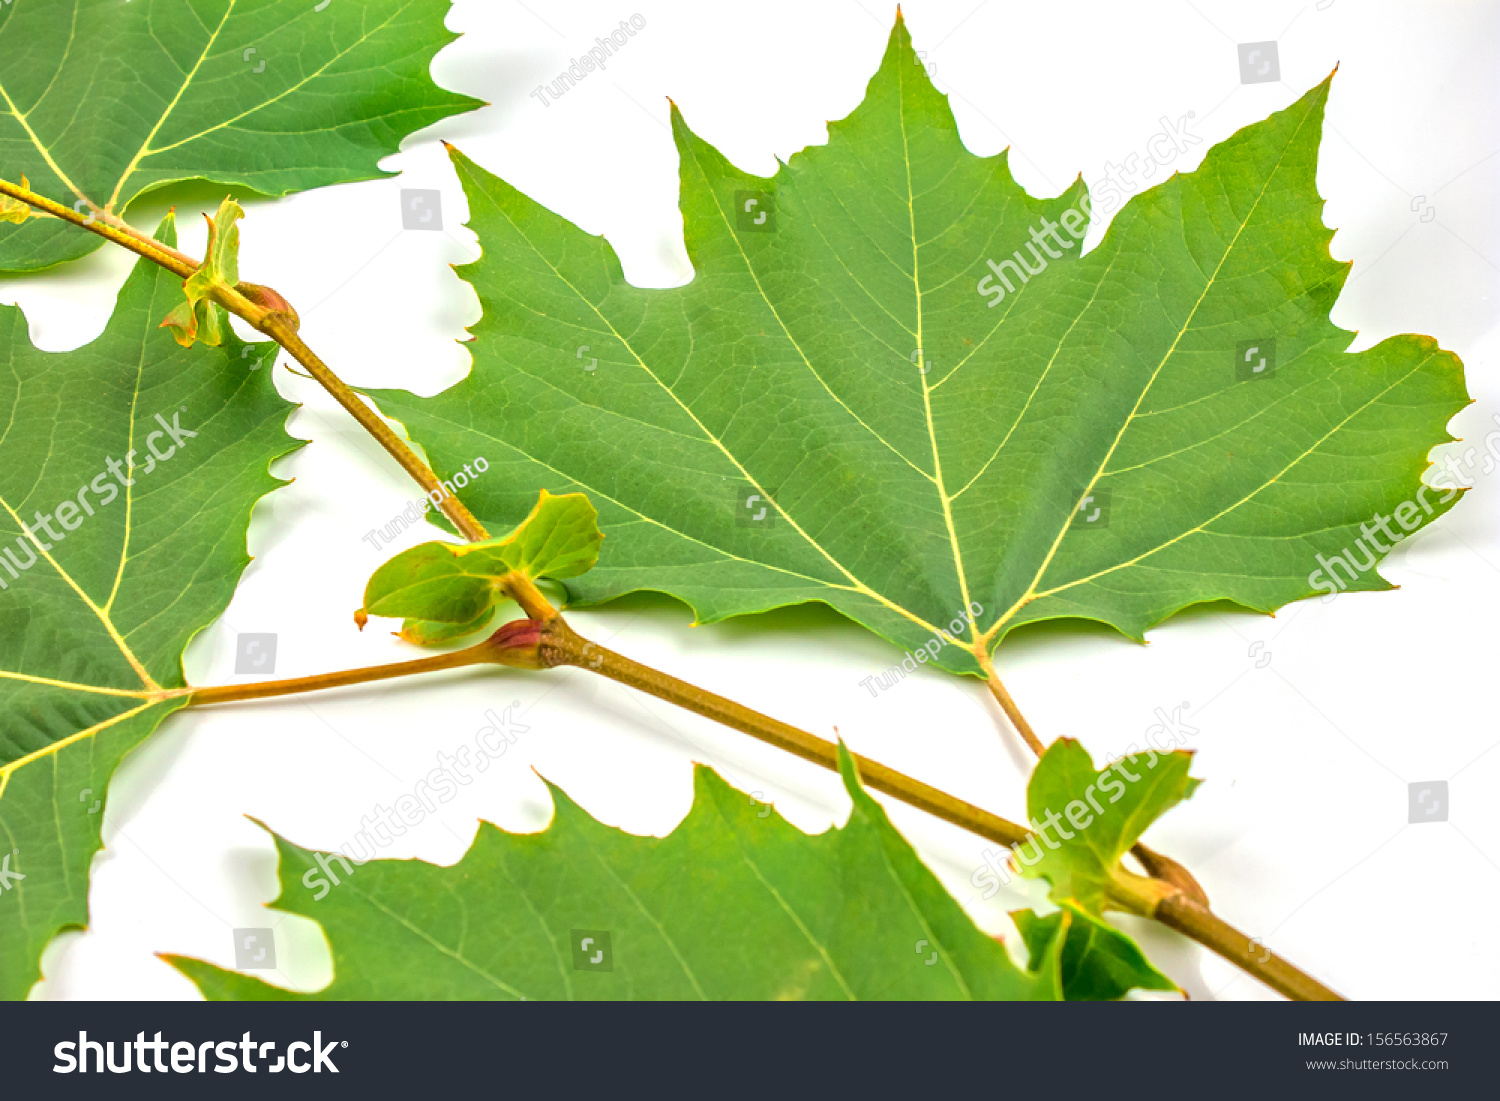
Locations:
(98, 602)
(102, 100)
(735, 903)
(909, 453)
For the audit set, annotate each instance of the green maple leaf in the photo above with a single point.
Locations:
(100, 596)
(1084, 821)
(103, 101)
(845, 405)
(735, 903)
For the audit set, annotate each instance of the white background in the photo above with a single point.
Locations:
(1300, 833)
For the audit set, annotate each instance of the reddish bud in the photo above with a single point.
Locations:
(517, 644)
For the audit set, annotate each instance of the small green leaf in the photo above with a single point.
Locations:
(1084, 821)
(1099, 963)
(198, 317)
(459, 584)
(735, 903)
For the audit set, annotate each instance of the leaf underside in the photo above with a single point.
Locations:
(93, 623)
(102, 101)
(735, 903)
(832, 411)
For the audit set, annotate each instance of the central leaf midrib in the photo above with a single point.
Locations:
(937, 461)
